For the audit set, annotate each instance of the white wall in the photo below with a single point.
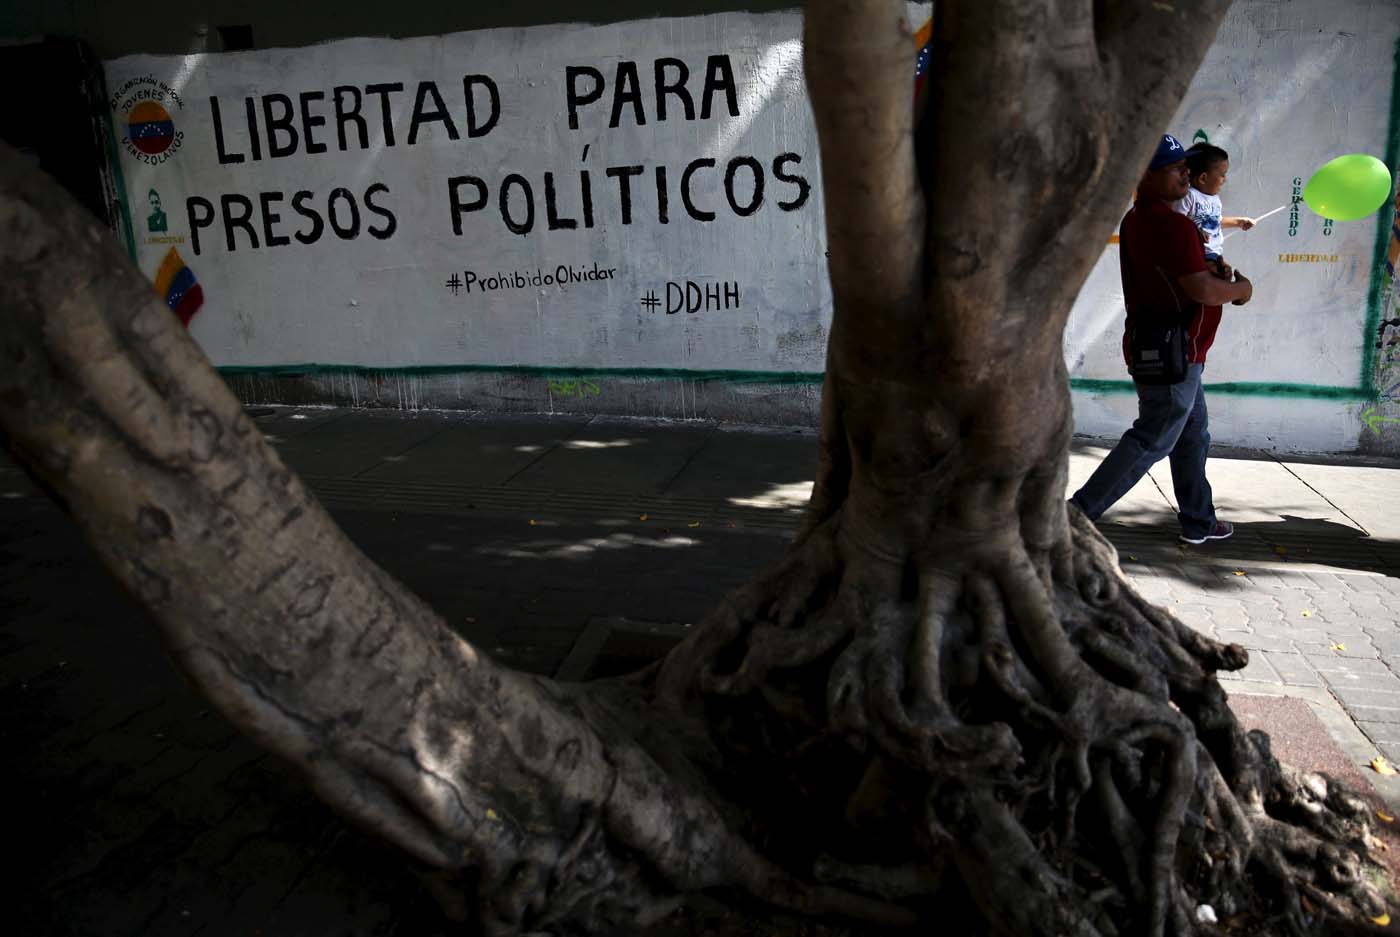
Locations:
(1285, 87)
(746, 161)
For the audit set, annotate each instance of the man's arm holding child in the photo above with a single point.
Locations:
(1208, 289)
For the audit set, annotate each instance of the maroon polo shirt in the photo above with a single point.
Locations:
(1156, 245)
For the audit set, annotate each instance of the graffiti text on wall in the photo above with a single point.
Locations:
(275, 125)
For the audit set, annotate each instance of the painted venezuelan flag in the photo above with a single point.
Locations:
(149, 127)
(923, 40)
(176, 285)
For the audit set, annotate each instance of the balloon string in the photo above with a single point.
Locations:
(1257, 220)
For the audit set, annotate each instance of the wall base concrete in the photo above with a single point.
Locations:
(1257, 422)
(783, 401)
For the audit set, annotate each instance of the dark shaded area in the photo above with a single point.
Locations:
(115, 31)
(235, 38)
(140, 812)
(544, 541)
(1292, 539)
(56, 91)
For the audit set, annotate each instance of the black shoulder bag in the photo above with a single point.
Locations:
(1158, 341)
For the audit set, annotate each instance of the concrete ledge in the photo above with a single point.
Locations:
(792, 399)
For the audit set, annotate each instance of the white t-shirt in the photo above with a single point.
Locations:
(1205, 211)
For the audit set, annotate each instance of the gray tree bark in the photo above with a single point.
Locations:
(945, 698)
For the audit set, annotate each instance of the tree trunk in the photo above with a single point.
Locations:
(945, 696)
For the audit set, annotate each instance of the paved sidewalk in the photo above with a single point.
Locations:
(1310, 583)
(569, 546)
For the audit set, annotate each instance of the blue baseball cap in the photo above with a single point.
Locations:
(1169, 151)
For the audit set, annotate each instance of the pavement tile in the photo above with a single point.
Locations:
(766, 467)
(617, 457)
(1263, 578)
(1381, 732)
(1385, 639)
(286, 422)
(1200, 626)
(1347, 630)
(1331, 609)
(1369, 602)
(1352, 646)
(1327, 582)
(1294, 669)
(1342, 681)
(1365, 696)
(1362, 714)
(1307, 648)
(1222, 584)
(1230, 619)
(1301, 636)
(1215, 597)
(1261, 605)
(1352, 621)
(1259, 640)
(1332, 662)
(347, 447)
(1372, 585)
(1234, 636)
(1150, 586)
(1391, 750)
(1202, 579)
(1258, 670)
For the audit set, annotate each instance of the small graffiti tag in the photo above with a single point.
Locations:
(1293, 214)
(1372, 419)
(579, 388)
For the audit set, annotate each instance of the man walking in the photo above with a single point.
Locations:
(1163, 267)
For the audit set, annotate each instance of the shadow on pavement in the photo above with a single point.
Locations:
(1296, 544)
(141, 812)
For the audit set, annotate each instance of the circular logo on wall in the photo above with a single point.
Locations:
(149, 128)
(145, 103)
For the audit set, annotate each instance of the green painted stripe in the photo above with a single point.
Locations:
(113, 160)
(1085, 385)
(729, 377)
(1239, 389)
(1384, 223)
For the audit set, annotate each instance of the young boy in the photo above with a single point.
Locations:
(1208, 166)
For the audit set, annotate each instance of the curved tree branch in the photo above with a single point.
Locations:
(1142, 45)
(304, 643)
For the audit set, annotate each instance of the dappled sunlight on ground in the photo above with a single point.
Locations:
(600, 443)
(790, 495)
(582, 549)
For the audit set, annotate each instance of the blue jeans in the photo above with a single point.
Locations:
(1172, 422)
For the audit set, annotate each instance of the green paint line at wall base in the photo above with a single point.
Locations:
(1084, 385)
(1384, 222)
(1238, 389)
(119, 180)
(448, 370)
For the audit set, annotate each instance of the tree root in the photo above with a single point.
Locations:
(1043, 713)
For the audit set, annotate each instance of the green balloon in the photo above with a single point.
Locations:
(1349, 187)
